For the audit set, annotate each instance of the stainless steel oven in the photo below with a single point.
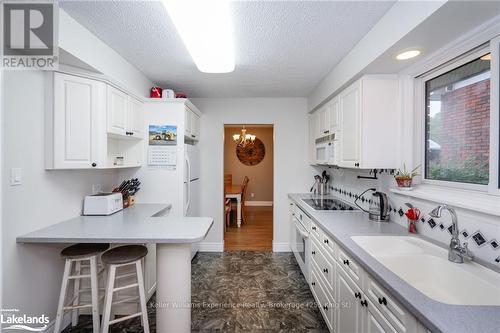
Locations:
(300, 240)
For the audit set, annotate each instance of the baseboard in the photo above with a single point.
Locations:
(211, 247)
(259, 203)
(281, 247)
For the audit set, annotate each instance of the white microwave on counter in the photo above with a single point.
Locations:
(325, 150)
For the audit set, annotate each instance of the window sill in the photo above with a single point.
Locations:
(467, 199)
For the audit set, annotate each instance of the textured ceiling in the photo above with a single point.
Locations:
(282, 48)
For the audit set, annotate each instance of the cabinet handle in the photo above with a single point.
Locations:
(364, 303)
(346, 262)
(356, 164)
(313, 252)
(94, 165)
(193, 136)
(382, 301)
(131, 133)
(325, 241)
(325, 307)
(357, 295)
(325, 270)
(326, 132)
(313, 283)
(313, 228)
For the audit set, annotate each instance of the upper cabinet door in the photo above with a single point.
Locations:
(188, 122)
(349, 120)
(195, 126)
(135, 118)
(118, 103)
(79, 107)
(334, 115)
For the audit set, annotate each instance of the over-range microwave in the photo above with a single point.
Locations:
(325, 149)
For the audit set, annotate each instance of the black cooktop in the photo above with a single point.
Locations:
(328, 204)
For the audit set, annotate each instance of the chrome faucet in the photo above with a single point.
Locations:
(456, 252)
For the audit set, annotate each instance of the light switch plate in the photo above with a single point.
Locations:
(16, 176)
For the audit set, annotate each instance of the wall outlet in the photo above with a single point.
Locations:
(16, 176)
(252, 195)
(96, 188)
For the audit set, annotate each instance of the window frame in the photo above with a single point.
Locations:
(420, 99)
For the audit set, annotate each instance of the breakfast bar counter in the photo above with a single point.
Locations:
(141, 224)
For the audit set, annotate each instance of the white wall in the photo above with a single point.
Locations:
(32, 273)
(81, 43)
(291, 170)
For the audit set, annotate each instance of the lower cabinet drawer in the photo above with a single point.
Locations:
(350, 266)
(324, 299)
(325, 268)
(328, 244)
(375, 322)
(316, 232)
(398, 316)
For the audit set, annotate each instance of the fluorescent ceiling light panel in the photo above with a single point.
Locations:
(206, 30)
(408, 54)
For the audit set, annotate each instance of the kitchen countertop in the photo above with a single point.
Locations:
(141, 223)
(436, 316)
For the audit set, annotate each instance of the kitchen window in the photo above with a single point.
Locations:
(457, 124)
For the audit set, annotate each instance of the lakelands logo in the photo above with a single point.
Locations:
(29, 39)
(11, 319)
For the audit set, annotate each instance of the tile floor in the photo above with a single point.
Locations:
(242, 292)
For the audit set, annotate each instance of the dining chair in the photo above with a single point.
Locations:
(227, 212)
(244, 186)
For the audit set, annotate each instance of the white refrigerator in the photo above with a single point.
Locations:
(192, 185)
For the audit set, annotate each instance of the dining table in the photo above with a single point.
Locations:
(235, 191)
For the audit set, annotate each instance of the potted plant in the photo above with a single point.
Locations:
(404, 177)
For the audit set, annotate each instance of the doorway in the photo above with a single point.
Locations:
(248, 187)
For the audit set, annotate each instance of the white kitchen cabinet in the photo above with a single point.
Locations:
(135, 118)
(323, 128)
(349, 101)
(334, 110)
(117, 111)
(368, 123)
(349, 318)
(124, 114)
(86, 122)
(75, 117)
(361, 304)
(313, 120)
(192, 123)
(364, 119)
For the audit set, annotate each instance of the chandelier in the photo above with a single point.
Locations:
(244, 138)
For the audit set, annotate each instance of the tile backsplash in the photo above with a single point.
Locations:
(480, 231)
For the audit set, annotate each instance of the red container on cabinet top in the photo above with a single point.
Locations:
(155, 92)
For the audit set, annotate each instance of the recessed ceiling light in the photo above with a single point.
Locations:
(206, 30)
(408, 54)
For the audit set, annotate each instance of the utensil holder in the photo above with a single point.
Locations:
(323, 189)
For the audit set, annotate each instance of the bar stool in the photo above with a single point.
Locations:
(76, 254)
(119, 257)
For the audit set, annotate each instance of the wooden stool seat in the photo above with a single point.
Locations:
(124, 254)
(83, 250)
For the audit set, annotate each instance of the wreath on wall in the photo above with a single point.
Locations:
(251, 154)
